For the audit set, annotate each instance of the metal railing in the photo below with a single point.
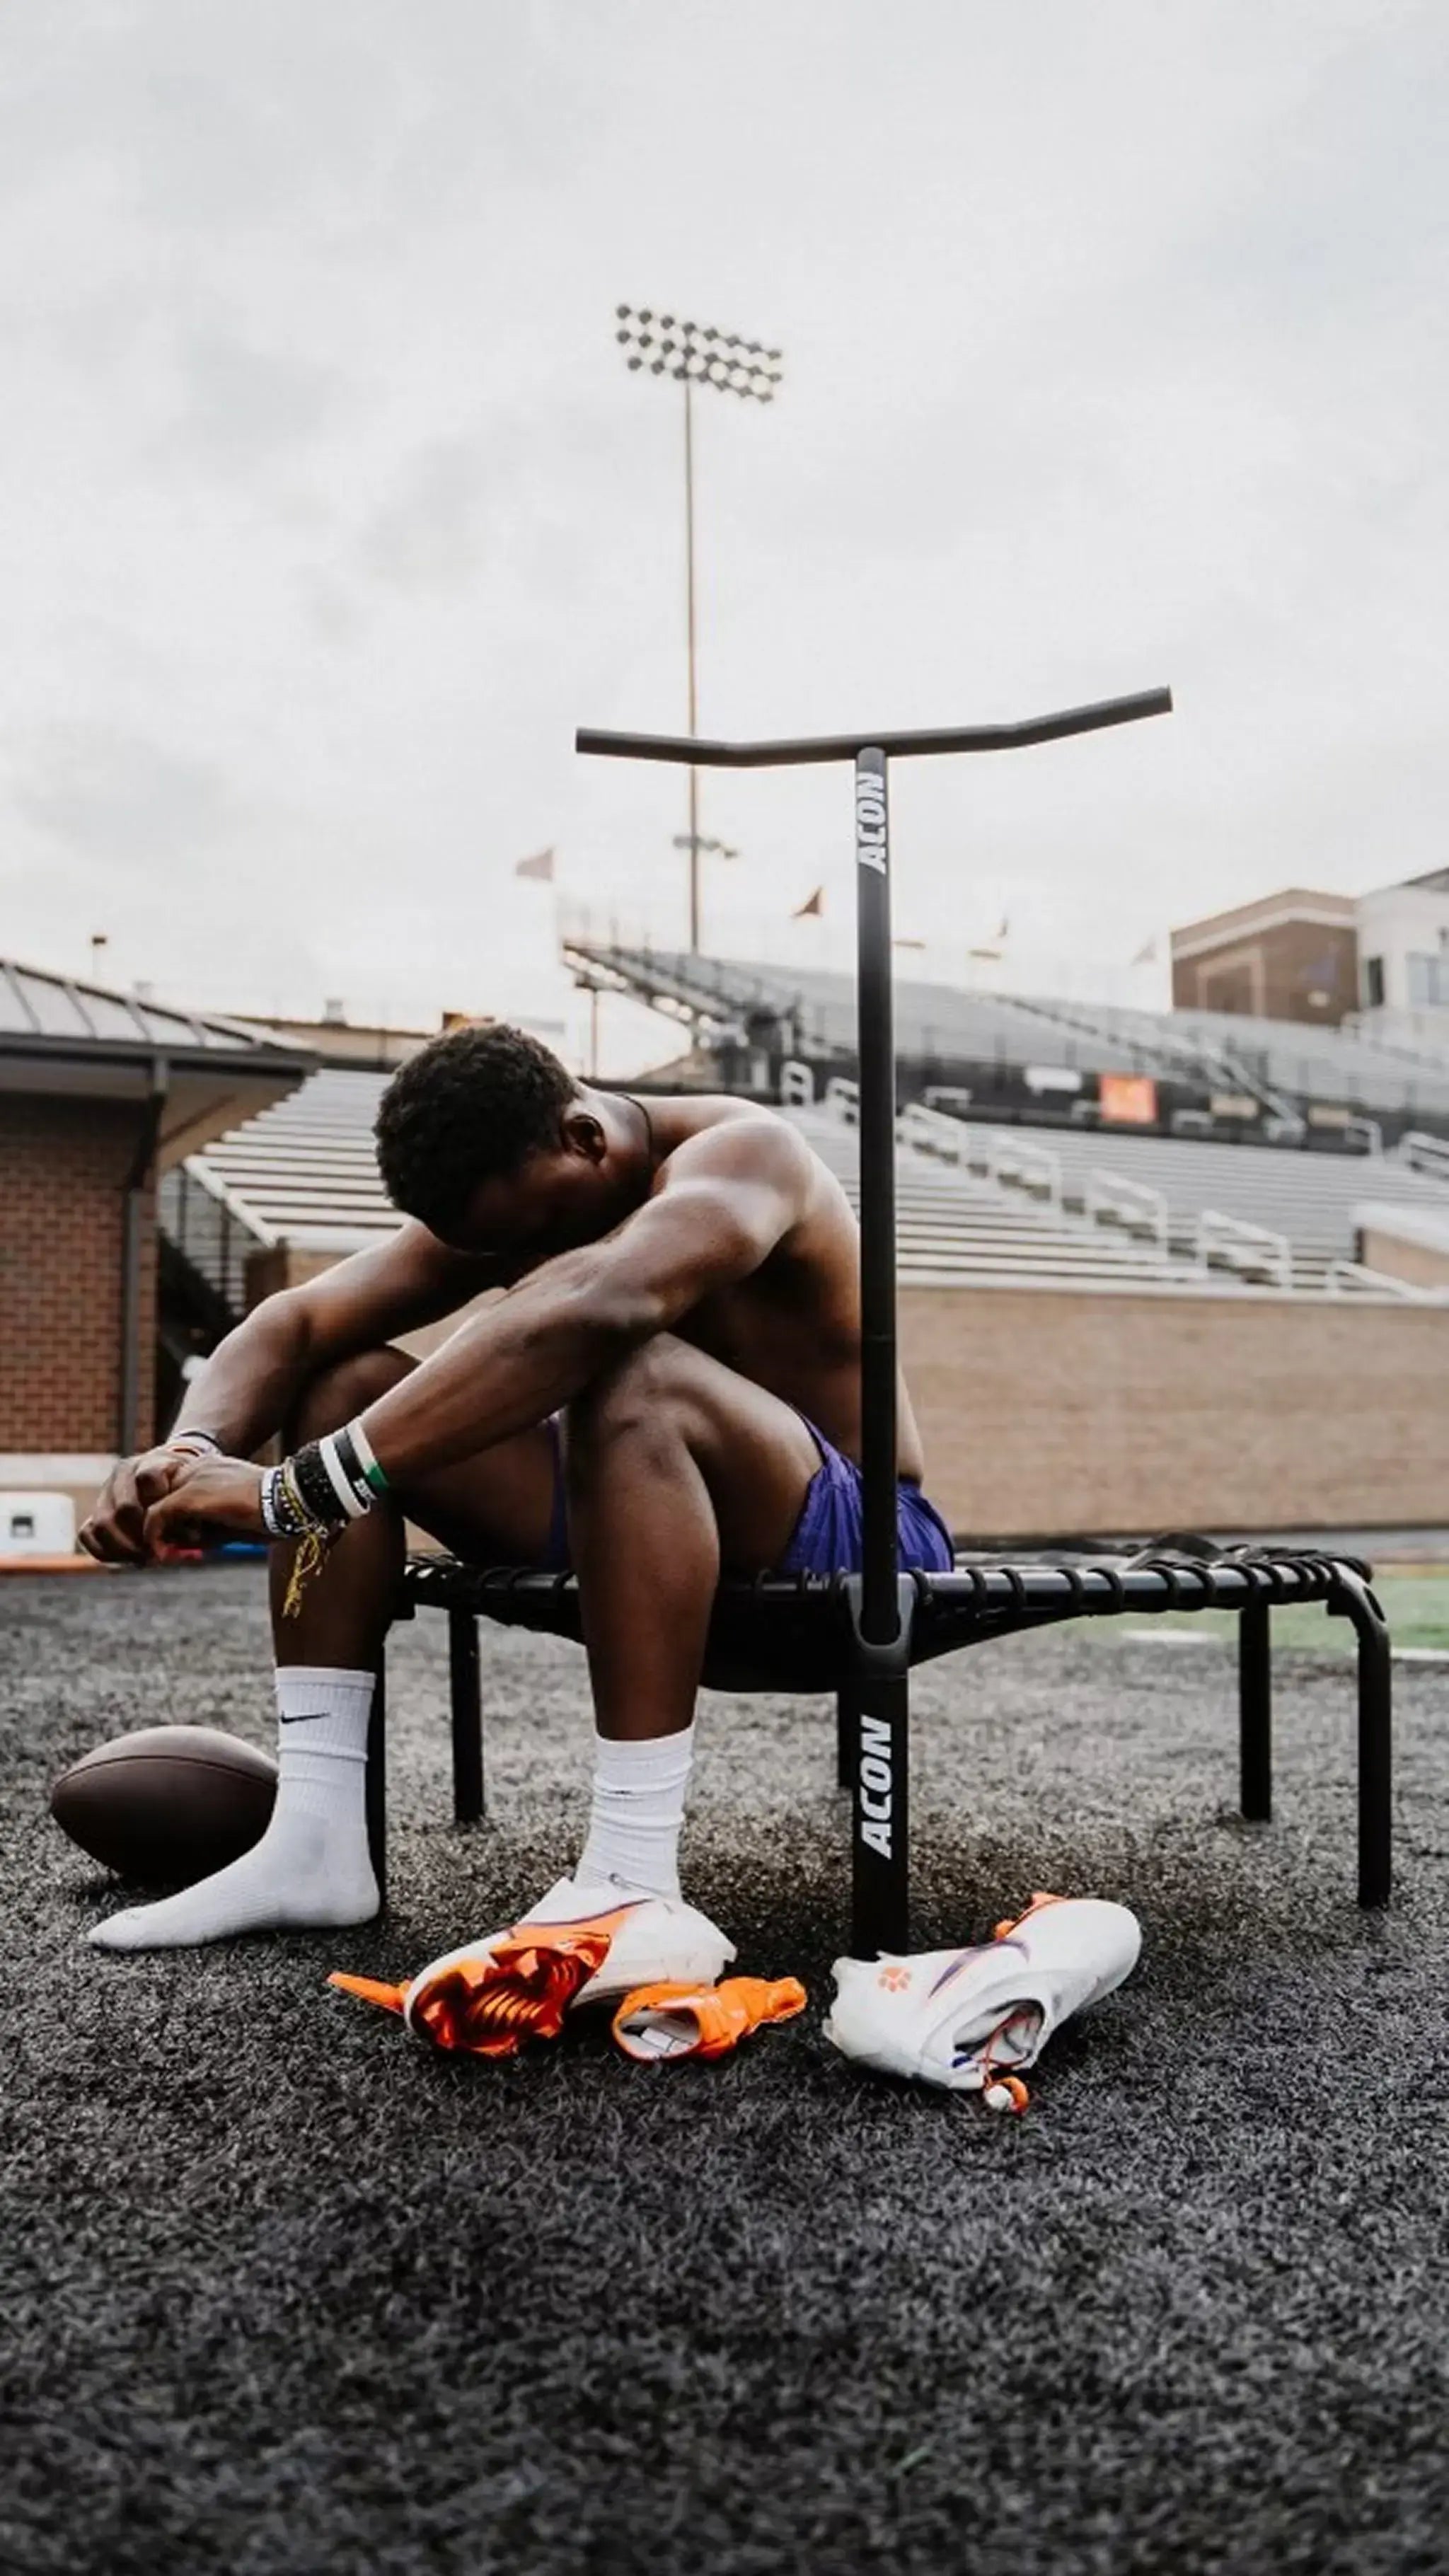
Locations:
(932, 1131)
(1426, 1154)
(210, 1229)
(1233, 1243)
(1346, 1278)
(1111, 1199)
(1011, 1162)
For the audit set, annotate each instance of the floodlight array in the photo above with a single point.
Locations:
(691, 352)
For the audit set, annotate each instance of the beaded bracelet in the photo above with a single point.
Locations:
(322, 1487)
(284, 1515)
(316, 1488)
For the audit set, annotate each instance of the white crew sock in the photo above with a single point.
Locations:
(638, 1810)
(311, 1868)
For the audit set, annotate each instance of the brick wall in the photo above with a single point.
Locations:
(1048, 1413)
(1270, 973)
(63, 1167)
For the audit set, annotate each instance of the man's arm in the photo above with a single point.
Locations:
(249, 1384)
(722, 1204)
(246, 1388)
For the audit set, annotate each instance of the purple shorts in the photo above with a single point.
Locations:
(828, 1534)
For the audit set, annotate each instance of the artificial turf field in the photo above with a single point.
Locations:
(281, 2292)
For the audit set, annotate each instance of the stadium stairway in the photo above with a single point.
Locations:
(957, 1227)
(1304, 1200)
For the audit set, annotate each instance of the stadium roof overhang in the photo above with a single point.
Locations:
(195, 1074)
(198, 1092)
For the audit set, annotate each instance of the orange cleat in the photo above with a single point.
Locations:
(672, 2020)
(489, 2003)
(578, 1945)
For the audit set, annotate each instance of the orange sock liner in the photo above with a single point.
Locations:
(668, 2021)
(489, 2005)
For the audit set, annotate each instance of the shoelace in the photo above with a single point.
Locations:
(489, 2005)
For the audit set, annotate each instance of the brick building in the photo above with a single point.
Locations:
(99, 1094)
(1292, 956)
(1317, 958)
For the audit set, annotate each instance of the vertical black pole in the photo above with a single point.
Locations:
(1255, 1713)
(847, 1730)
(880, 1606)
(466, 1703)
(878, 1692)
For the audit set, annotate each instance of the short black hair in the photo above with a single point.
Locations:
(470, 1107)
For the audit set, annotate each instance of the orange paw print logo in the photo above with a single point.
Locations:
(894, 1979)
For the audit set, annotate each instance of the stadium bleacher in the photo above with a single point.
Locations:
(956, 1227)
(1310, 1199)
(975, 1206)
(1290, 1078)
(303, 1174)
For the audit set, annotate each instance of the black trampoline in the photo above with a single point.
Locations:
(859, 1637)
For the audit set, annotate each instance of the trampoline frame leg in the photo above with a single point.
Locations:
(1375, 1738)
(1255, 1713)
(465, 1700)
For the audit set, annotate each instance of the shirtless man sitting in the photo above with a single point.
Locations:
(668, 1385)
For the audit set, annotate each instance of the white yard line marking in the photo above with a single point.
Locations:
(1159, 1636)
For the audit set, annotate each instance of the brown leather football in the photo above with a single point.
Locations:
(167, 1805)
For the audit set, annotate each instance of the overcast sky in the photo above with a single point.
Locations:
(1115, 354)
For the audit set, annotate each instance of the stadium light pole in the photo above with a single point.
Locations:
(694, 353)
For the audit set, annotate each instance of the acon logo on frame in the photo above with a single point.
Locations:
(877, 1784)
(870, 824)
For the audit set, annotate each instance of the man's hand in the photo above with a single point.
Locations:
(207, 1500)
(115, 1531)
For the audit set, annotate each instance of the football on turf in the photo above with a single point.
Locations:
(166, 1805)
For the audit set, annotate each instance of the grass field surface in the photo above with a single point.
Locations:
(281, 2293)
(1415, 1603)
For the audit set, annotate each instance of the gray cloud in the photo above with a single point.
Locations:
(1114, 353)
(426, 536)
(111, 795)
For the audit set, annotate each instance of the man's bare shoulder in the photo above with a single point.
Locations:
(678, 1117)
(709, 1140)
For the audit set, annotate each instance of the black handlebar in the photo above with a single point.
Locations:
(846, 746)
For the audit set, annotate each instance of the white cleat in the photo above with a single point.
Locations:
(968, 2019)
(578, 1945)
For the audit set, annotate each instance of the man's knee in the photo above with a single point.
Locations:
(344, 1389)
(646, 1392)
